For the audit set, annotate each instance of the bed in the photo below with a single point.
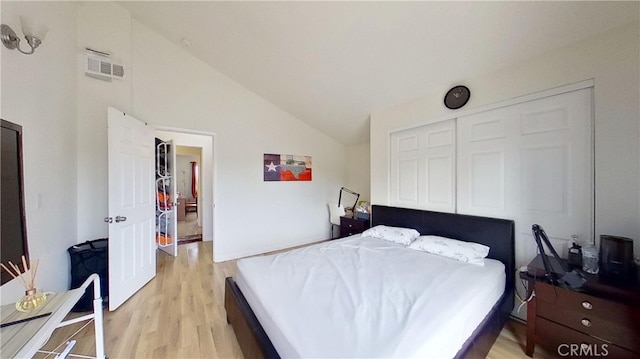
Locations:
(283, 318)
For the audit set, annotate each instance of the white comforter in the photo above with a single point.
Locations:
(365, 297)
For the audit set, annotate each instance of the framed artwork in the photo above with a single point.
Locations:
(286, 167)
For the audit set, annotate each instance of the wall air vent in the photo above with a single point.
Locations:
(117, 71)
(99, 65)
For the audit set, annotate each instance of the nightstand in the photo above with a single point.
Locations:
(593, 321)
(350, 226)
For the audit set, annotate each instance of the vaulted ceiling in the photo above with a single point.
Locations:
(330, 64)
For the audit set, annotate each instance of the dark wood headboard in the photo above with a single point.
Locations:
(497, 234)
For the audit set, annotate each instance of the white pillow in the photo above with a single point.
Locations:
(468, 252)
(399, 235)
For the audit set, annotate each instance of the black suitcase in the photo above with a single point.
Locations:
(88, 258)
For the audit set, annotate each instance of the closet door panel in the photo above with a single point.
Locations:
(407, 181)
(483, 154)
(556, 166)
(487, 127)
(404, 168)
(423, 167)
(439, 136)
(439, 172)
(544, 172)
(439, 155)
(531, 162)
(486, 184)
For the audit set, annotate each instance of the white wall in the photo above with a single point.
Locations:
(105, 27)
(166, 86)
(172, 88)
(612, 60)
(39, 93)
(358, 169)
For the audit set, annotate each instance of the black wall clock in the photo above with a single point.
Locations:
(457, 97)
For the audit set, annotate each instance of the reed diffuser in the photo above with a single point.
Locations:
(32, 299)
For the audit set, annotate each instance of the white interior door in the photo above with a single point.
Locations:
(171, 214)
(132, 257)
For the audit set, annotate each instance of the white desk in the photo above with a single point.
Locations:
(23, 340)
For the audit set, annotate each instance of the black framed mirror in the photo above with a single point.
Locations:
(14, 242)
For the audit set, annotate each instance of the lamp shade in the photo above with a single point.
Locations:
(35, 28)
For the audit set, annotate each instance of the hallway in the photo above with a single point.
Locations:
(188, 230)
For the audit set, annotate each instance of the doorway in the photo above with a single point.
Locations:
(188, 186)
(194, 182)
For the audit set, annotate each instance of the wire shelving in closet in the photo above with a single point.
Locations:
(164, 200)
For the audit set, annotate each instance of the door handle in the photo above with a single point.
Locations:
(108, 219)
(120, 219)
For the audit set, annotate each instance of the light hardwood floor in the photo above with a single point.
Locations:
(189, 225)
(180, 314)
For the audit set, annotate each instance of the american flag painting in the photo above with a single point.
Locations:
(286, 167)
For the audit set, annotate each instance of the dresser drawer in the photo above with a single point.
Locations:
(590, 315)
(351, 226)
(569, 343)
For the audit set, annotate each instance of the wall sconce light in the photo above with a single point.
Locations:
(33, 30)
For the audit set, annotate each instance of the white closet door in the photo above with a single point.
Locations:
(531, 162)
(170, 216)
(423, 167)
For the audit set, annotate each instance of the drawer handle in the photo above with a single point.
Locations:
(587, 305)
(350, 225)
(586, 323)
